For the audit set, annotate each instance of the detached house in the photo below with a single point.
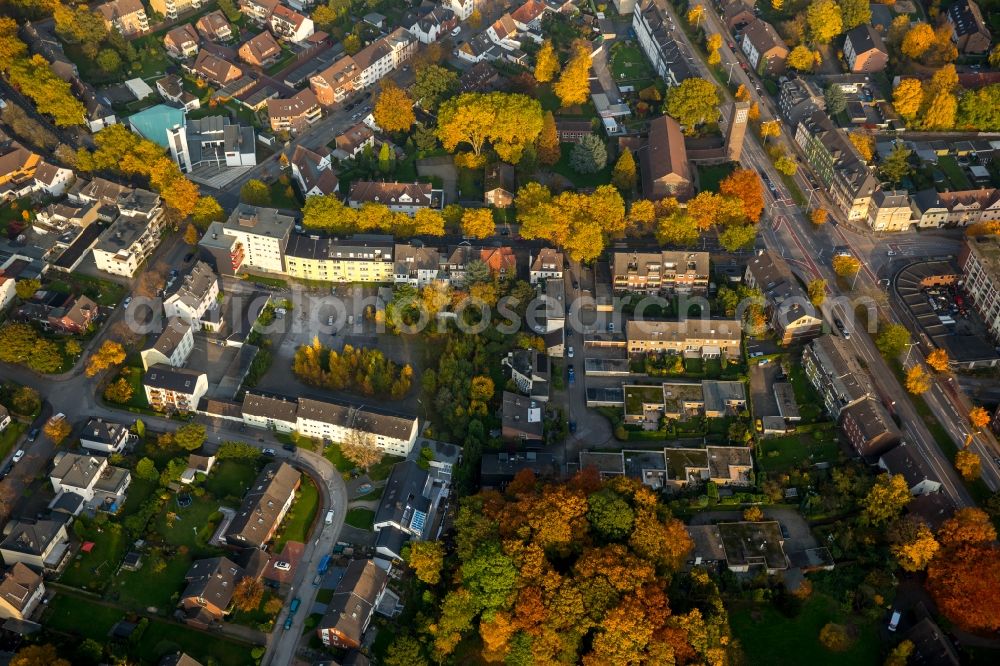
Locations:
(209, 592)
(126, 16)
(21, 590)
(354, 602)
(288, 24)
(399, 197)
(74, 316)
(39, 544)
(430, 22)
(499, 185)
(195, 299)
(354, 141)
(214, 69)
(182, 41)
(969, 30)
(214, 27)
(548, 263)
(312, 172)
(100, 486)
(174, 389)
(764, 49)
(260, 50)
(864, 49)
(53, 180)
(104, 436)
(295, 114)
(264, 506)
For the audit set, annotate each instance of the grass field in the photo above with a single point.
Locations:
(955, 174)
(768, 637)
(781, 453)
(563, 168)
(93, 570)
(628, 63)
(360, 518)
(230, 479)
(295, 526)
(709, 177)
(376, 473)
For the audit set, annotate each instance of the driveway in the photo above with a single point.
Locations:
(443, 168)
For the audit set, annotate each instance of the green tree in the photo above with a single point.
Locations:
(426, 558)
(385, 159)
(589, 155)
(146, 469)
(896, 166)
(26, 288)
(694, 102)
(352, 44)
(230, 10)
(836, 101)
(256, 193)
(433, 84)
(405, 651)
(892, 340)
(190, 437)
(173, 471)
(855, 13)
(624, 174)
(109, 61)
(737, 236)
(78, 25)
(610, 515)
(490, 576)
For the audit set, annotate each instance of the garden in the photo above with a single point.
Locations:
(810, 444)
(630, 66)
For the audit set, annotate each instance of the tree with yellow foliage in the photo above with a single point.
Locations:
(394, 108)
(915, 545)
(968, 464)
(770, 128)
(979, 418)
(886, 500)
(108, 355)
(940, 113)
(818, 216)
(753, 514)
(846, 266)
(938, 359)
(712, 44)
(945, 79)
(918, 40)
(695, 14)
(478, 223)
(995, 56)
(801, 58)
(824, 20)
(917, 380)
(57, 429)
(864, 143)
(546, 63)
(907, 98)
(573, 86)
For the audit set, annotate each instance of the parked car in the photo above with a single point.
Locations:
(329, 517)
(127, 302)
(18, 455)
(33, 435)
(288, 447)
(756, 354)
(268, 452)
(281, 565)
(572, 426)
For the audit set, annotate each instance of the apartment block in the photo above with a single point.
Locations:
(651, 24)
(171, 9)
(980, 262)
(667, 272)
(704, 338)
(333, 260)
(262, 233)
(890, 210)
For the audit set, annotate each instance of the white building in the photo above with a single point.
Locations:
(100, 485)
(133, 235)
(174, 389)
(195, 299)
(399, 197)
(463, 8)
(4, 418)
(270, 412)
(53, 180)
(288, 24)
(262, 234)
(104, 436)
(334, 422)
(548, 263)
(212, 141)
(172, 347)
(7, 292)
(384, 55)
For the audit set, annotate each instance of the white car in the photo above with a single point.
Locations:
(18, 455)
(281, 565)
(457, 31)
(569, 352)
(329, 517)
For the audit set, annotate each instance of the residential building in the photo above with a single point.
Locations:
(354, 601)
(74, 316)
(409, 501)
(463, 8)
(336, 82)
(258, 11)
(345, 261)
(501, 261)
(172, 347)
(382, 56)
(225, 253)
(791, 314)
(194, 299)
(104, 436)
(53, 180)
(664, 162)
(868, 427)
(214, 69)
(737, 14)
(798, 99)
(722, 465)
(496, 470)
(264, 506)
(980, 262)
(931, 645)
(764, 49)
(504, 33)
(262, 233)
(913, 466)
(652, 25)
(182, 41)
(846, 177)
(126, 244)
(529, 370)
(272, 412)
(521, 419)
(295, 114)
(479, 49)
(312, 172)
(499, 185)
(758, 545)
(39, 544)
(354, 141)
(529, 15)
(171, 88)
(4, 418)
(669, 272)
(968, 27)
(171, 389)
(933, 209)
(335, 421)
(428, 23)
(211, 584)
(399, 197)
(126, 16)
(548, 263)
(835, 373)
(705, 338)
(101, 486)
(17, 169)
(171, 9)
(214, 27)
(864, 49)
(260, 50)
(890, 210)
(21, 590)
(289, 25)
(416, 265)
(212, 141)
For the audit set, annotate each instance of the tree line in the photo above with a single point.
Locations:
(366, 371)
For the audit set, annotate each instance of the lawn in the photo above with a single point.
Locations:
(144, 589)
(10, 435)
(283, 196)
(709, 177)
(93, 570)
(563, 168)
(230, 479)
(955, 174)
(192, 526)
(103, 292)
(768, 637)
(810, 405)
(10, 212)
(361, 518)
(83, 618)
(139, 491)
(781, 453)
(628, 62)
(298, 520)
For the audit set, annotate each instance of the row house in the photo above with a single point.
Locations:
(295, 114)
(171, 9)
(264, 506)
(890, 210)
(405, 198)
(313, 172)
(336, 82)
(672, 272)
(182, 41)
(335, 422)
(416, 265)
(845, 175)
(126, 16)
(933, 209)
(289, 25)
(703, 338)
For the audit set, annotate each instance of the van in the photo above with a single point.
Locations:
(329, 517)
(894, 620)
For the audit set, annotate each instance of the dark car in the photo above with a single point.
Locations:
(33, 435)
(188, 257)
(572, 426)
(6, 470)
(288, 447)
(784, 531)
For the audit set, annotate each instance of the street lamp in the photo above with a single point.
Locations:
(910, 346)
(730, 79)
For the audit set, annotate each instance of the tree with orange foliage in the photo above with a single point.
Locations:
(968, 464)
(745, 186)
(938, 359)
(818, 216)
(979, 418)
(964, 577)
